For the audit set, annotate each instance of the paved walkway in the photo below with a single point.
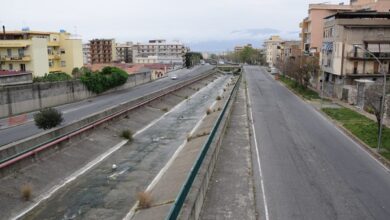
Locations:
(230, 194)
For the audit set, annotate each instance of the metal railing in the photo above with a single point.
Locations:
(52, 142)
(368, 56)
(186, 187)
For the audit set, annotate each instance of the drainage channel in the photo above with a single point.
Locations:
(102, 193)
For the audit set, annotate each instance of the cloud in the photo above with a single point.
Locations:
(257, 31)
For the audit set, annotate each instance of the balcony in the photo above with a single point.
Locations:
(22, 58)
(54, 57)
(53, 43)
(366, 56)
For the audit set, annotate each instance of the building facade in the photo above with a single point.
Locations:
(342, 59)
(272, 47)
(159, 51)
(312, 26)
(86, 53)
(124, 52)
(238, 48)
(40, 52)
(102, 50)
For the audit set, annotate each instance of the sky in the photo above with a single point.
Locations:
(204, 25)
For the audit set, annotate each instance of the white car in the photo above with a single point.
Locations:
(174, 77)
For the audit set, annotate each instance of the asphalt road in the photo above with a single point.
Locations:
(310, 169)
(77, 110)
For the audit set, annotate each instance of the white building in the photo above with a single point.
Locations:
(159, 51)
(271, 46)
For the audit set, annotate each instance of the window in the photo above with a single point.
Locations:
(49, 51)
(10, 66)
(9, 52)
(23, 67)
(62, 51)
(50, 63)
(63, 64)
(21, 52)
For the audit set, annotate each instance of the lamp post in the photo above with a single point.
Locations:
(383, 98)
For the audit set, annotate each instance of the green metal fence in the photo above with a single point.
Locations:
(176, 207)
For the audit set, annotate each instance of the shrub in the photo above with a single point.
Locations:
(218, 98)
(164, 109)
(186, 97)
(219, 108)
(26, 191)
(208, 111)
(52, 77)
(189, 137)
(144, 200)
(48, 118)
(127, 134)
(108, 78)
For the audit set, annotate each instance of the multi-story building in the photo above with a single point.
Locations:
(342, 60)
(272, 47)
(159, 51)
(86, 53)
(102, 50)
(124, 52)
(39, 52)
(312, 26)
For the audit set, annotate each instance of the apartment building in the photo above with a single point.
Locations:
(312, 26)
(102, 50)
(86, 54)
(342, 60)
(272, 47)
(159, 51)
(124, 52)
(39, 52)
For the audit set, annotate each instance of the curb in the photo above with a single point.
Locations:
(385, 162)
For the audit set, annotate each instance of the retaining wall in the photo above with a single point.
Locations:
(30, 97)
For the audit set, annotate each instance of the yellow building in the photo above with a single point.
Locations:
(40, 52)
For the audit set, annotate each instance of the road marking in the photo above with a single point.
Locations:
(72, 178)
(258, 157)
(337, 128)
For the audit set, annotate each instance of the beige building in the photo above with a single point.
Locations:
(312, 26)
(159, 51)
(124, 52)
(40, 52)
(272, 49)
(341, 61)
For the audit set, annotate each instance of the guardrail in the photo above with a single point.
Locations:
(30, 151)
(180, 199)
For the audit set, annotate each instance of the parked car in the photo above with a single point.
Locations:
(174, 77)
(274, 70)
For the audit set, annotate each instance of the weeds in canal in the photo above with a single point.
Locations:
(189, 137)
(224, 89)
(197, 89)
(164, 109)
(218, 98)
(186, 97)
(219, 108)
(144, 200)
(26, 191)
(127, 134)
(209, 111)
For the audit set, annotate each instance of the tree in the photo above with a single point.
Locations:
(372, 100)
(48, 118)
(192, 58)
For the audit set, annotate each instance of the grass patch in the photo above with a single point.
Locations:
(144, 199)
(164, 109)
(209, 111)
(362, 127)
(218, 98)
(26, 191)
(305, 92)
(127, 134)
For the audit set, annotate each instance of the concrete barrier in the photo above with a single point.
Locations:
(195, 199)
(30, 97)
(25, 145)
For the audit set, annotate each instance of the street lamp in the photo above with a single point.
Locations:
(382, 104)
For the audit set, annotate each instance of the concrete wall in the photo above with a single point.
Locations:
(25, 98)
(15, 79)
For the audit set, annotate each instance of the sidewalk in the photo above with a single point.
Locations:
(230, 194)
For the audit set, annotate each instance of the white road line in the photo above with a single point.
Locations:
(338, 129)
(258, 158)
(72, 178)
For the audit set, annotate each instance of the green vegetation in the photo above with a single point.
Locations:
(52, 77)
(361, 126)
(192, 58)
(107, 78)
(127, 134)
(248, 55)
(300, 89)
(48, 118)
